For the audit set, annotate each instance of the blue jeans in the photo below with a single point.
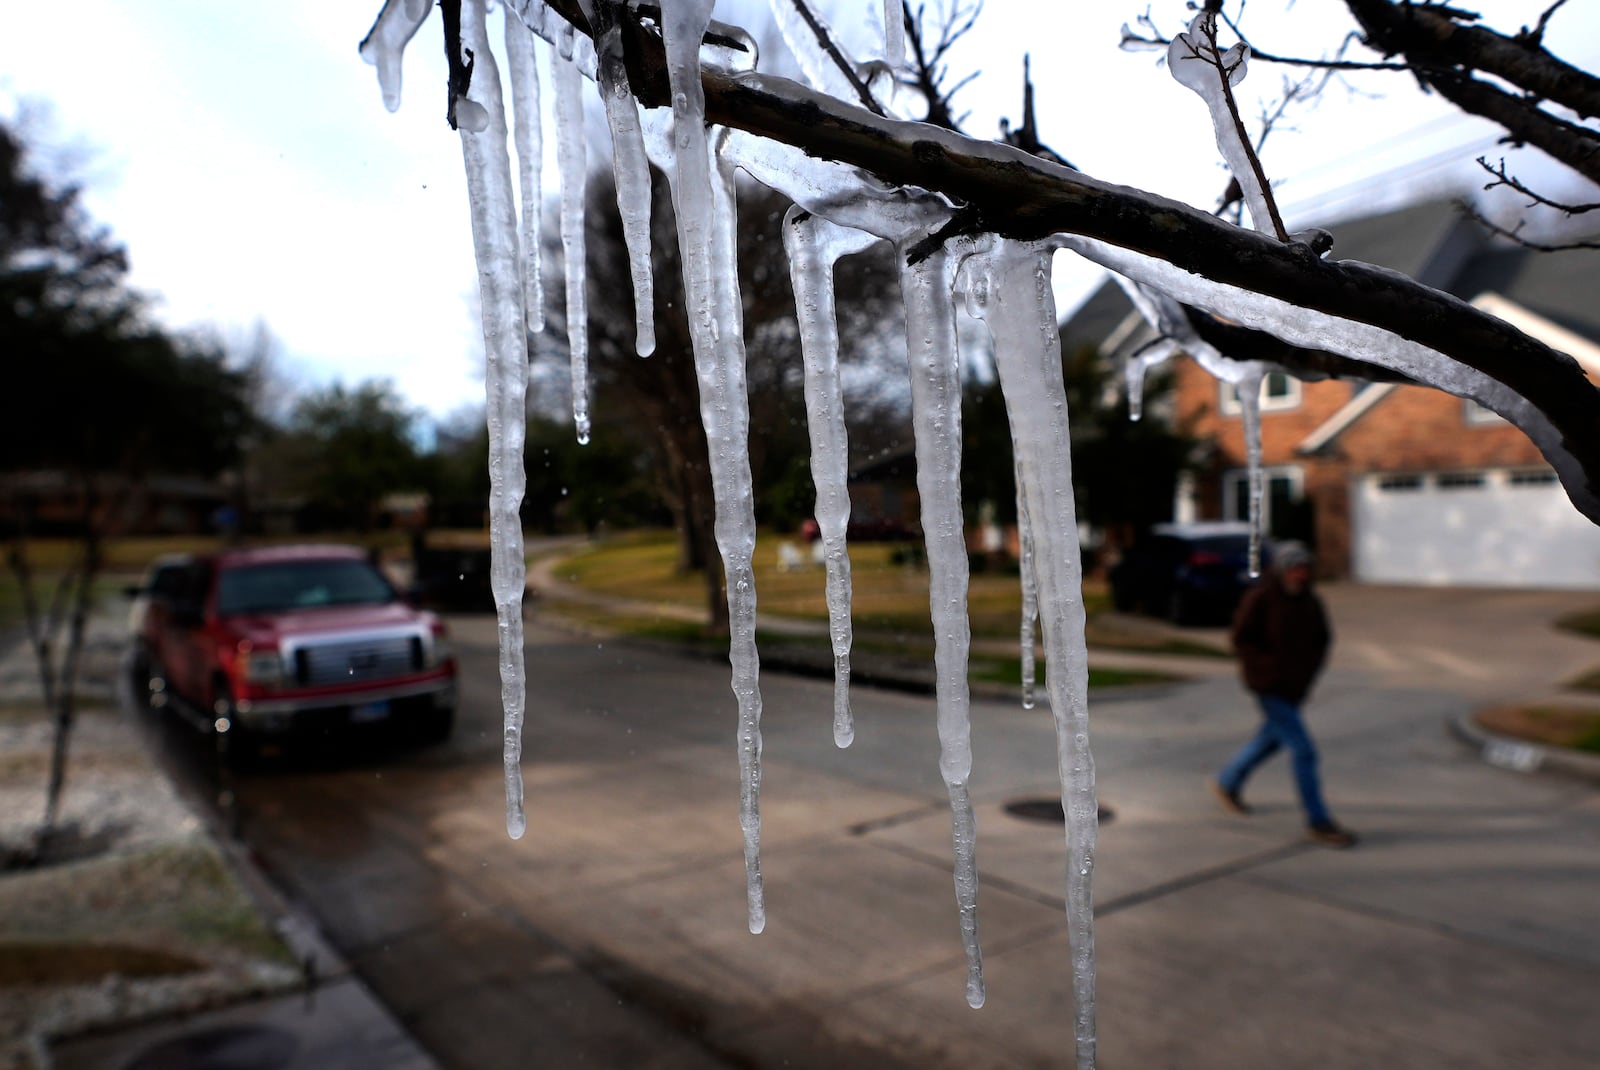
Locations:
(1283, 727)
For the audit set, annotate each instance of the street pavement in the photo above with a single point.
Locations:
(1460, 933)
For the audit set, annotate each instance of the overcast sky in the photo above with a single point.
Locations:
(243, 153)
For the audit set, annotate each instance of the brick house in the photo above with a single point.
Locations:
(1391, 483)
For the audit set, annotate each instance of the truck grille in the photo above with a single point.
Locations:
(362, 659)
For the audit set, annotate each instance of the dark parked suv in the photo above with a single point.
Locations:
(1189, 573)
(285, 639)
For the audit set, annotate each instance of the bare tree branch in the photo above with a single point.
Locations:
(1002, 190)
(1504, 179)
(1515, 234)
(1433, 37)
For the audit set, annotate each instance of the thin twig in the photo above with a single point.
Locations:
(1536, 35)
(1209, 28)
(1502, 178)
(1515, 234)
(460, 76)
(868, 101)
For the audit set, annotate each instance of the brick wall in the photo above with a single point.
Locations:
(1413, 429)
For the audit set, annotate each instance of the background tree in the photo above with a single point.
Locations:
(110, 398)
(344, 448)
(650, 406)
(1124, 472)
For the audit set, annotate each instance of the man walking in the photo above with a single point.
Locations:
(1281, 635)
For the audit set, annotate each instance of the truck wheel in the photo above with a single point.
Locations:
(1179, 611)
(235, 749)
(437, 724)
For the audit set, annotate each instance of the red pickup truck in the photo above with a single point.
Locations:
(269, 641)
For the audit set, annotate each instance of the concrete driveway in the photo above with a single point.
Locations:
(1460, 933)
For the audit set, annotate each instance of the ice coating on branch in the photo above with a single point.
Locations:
(573, 160)
(894, 34)
(522, 69)
(537, 16)
(703, 198)
(1010, 287)
(629, 164)
(1030, 592)
(814, 245)
(494, 240)
(1249, 391)
(820, 69)
(933, 357)
(385, 44)
(1197, 62)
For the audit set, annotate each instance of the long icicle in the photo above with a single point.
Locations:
(703, 198)
(1012, 287)
(629, 164)
(505, 343)
(932, 351)
(1249, 391)
(522, 69)
(814, 245)
(572, 156)
(1030, 593)
(894, 34)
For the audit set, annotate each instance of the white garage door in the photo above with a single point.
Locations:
(1495, 528)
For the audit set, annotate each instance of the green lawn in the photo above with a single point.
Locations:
(887, 597)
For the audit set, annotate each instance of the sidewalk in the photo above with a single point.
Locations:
(139, 878)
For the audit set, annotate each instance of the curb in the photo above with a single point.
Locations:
(1520, 756)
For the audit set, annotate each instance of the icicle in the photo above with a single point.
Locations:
(1011, 286)
(523, 71)
(932, 352)
(572, 158)
(385, 44)
(814, 245)
(1196, 63)
(494, 239)
(894, 34)
(1249, 390)
(1139, 362)
(1030, 592)
(629, 164)
(822, 71)
(704, 200)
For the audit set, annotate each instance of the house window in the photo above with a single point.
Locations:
(1461, 480)
(1279, 390)
(1399, 484)
(1282, 499)
(1532, 478)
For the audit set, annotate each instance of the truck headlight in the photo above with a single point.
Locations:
(263, 667)
(439, 651)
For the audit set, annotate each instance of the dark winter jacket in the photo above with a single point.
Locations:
(1282, 639)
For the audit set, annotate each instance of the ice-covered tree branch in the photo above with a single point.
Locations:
(999, 189)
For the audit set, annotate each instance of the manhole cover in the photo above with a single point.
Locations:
(1048, 809)
(233, 1047)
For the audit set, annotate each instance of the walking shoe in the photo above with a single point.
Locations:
(1229, 799)
(1330, 834)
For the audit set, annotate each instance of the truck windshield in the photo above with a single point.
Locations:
(285, 585)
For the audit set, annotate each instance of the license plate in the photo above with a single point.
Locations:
(369, 711)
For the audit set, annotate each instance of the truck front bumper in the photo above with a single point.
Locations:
(395, 702)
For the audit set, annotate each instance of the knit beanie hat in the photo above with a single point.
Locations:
(1291, 554)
